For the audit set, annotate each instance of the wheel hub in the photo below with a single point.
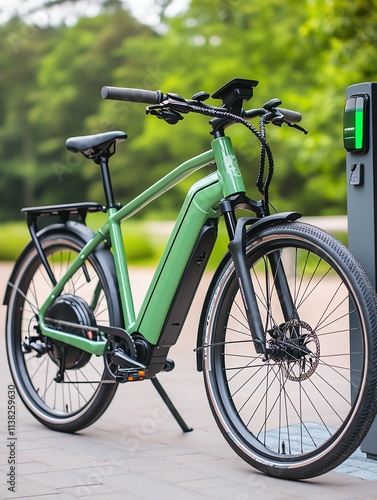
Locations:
(73, 312)
(295, 345)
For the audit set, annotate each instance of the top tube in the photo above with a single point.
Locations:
(222, 153)
(164, 184)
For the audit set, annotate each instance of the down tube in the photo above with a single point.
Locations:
(200, 205)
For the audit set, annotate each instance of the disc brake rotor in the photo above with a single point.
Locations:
(296, 348)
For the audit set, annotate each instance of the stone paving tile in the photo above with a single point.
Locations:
(73, 461)
(357, 491)
(94, 449)
(86, 491)
(53, 496)
(145, 465)
(26, 447)
(332, 485)
(26, 488)
(237, 492)
(35, 467)
(131, 440)
(149, 488)
(98, 492)
(238, 470)
(209, 484)
(63, 479)
(207, 441)
(180, 475)
(164, 452)
(185, 458)
(48, 454)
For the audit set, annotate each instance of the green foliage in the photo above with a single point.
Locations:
(13, 238)
(304, 52)
(140, 247)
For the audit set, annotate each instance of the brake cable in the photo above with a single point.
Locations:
(265, 148)
(179, 107)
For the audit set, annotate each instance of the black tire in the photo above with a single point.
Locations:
(84, 393)
(306, 409)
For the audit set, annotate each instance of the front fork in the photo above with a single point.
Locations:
(237, 248)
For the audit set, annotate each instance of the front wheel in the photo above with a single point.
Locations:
(64, 387)
(303, 410)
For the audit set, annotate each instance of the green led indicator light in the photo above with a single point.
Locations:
(354, 123)
(359, 128)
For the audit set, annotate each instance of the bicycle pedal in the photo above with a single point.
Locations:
(130, 375)
(128, 370)
(124, 361)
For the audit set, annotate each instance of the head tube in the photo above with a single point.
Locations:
(227, 166)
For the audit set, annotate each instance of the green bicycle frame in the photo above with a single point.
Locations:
(200, 205)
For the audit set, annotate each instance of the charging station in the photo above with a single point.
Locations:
(360, 142)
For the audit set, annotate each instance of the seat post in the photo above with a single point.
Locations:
(106, 181)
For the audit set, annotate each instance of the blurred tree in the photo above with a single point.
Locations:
(305, 53)
(215, 41)
(53, 80)
(21, 48)
(343, 36)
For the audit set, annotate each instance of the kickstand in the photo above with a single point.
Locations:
(170, 405)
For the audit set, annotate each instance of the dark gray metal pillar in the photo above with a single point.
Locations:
(360, 140)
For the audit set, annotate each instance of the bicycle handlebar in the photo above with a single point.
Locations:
(157, 97)
(132, 95)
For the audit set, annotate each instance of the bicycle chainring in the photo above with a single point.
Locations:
(118, 344)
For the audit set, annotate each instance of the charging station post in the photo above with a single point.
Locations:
(360, 142)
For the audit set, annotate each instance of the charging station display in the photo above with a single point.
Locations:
(355, 134)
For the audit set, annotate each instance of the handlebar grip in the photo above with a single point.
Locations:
(132, 95)
(289, 115)
(253, 113)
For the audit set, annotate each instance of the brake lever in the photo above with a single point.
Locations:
(170, 116)
(177, 103)
(293, 125)
(173, 102)
(279, 120)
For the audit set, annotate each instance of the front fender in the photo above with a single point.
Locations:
(279, 218)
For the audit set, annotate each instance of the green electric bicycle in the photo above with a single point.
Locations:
(287, 338)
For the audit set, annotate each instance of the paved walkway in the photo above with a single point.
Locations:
(137, 451)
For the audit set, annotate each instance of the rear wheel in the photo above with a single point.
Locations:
(63, 386)
(306, 408)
